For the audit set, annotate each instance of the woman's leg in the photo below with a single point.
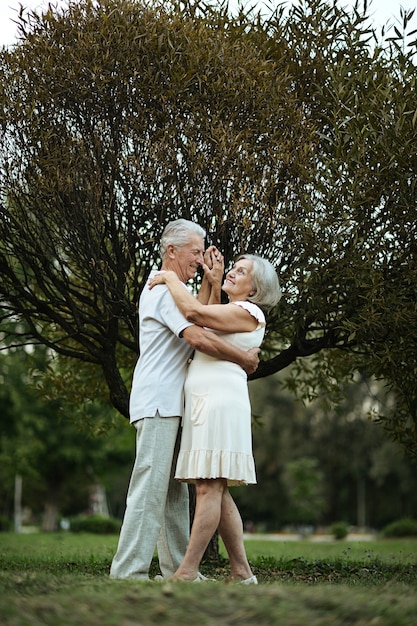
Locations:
(209, 494)
(231, 532)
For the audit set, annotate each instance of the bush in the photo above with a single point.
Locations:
(339, 530)
(406, 527)
(96, 524)
(6, 525)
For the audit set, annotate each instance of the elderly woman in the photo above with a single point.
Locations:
(216, 443)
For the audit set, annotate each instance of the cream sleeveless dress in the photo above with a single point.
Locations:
(216, 439)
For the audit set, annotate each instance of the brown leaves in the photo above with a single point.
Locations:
(292, 137)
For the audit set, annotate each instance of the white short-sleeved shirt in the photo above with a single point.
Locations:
(159, 374)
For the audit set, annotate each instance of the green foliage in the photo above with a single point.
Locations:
(359, 474)
(6, 524)
(292, 136)
(401, 528)
(96, 524)
(339, 530)
(58, 457)
(303, 479)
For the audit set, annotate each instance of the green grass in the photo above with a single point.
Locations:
(400, 551)
(62, 580)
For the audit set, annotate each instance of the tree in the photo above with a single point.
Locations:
(327, 455)
(292, 136)
(303, 479)
(59, 461)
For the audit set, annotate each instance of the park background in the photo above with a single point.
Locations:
(319, 461)
(329, 197)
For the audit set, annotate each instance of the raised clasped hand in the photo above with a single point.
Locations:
(213, 264)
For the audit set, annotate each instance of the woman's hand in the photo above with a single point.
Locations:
(160, 278)
(213, 265)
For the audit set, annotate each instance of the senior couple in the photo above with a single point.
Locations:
(209, 395)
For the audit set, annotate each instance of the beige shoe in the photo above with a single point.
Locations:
(249, 581)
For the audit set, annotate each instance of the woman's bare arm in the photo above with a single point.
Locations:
(224, 317)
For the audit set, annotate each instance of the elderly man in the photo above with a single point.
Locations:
(156, 513)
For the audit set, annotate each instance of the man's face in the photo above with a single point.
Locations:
(188, 258)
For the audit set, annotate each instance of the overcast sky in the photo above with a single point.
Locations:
(382, 11)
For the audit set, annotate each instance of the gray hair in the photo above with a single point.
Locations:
(264, 281)
(178, 233)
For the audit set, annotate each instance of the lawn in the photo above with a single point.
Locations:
(387, 550)
(62, 579)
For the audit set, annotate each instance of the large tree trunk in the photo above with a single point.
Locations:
(50, 517)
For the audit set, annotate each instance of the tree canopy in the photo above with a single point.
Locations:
(291, 136)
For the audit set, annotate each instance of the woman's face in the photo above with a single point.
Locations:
(238, 283)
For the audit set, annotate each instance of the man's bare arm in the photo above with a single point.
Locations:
(211, 344)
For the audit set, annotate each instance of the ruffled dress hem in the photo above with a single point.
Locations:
(237, 467)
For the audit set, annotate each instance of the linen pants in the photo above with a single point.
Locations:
(157, 513)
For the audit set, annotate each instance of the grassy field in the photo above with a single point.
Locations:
(62, 579)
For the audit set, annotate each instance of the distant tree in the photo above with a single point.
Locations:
(366, 479)
(292, 136)
(58, 461)
(303, 479)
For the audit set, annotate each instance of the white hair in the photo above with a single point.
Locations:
(178, 233)
(265, 283)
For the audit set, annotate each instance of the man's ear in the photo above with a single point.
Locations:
(171, 250)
